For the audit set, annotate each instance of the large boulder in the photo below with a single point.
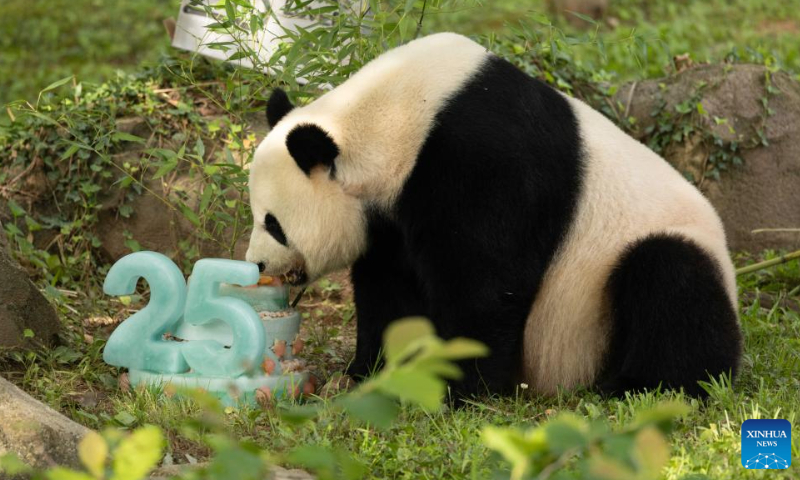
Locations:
(37, 434)
(764, 191)
(23, 307)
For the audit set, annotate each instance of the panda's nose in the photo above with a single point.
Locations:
(261, 267)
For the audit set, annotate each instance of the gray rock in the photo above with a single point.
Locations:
(764, 192)
(37, 434)
(23, 307)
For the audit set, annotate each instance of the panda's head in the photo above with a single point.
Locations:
(305, 224)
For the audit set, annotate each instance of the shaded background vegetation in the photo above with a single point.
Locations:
(45, 41)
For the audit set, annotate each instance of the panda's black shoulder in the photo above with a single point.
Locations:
(504, 130)
(498, 179)
(501, 93)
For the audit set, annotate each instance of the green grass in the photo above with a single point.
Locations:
(646, 34)
(45, 41)
(447, 444)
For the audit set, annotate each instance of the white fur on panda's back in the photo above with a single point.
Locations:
(629, 192)
(381, 116)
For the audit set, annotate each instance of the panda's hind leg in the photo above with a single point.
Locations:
(673, 324)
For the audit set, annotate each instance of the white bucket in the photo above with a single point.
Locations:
(192, 33)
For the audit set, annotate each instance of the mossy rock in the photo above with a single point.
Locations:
(764, 191)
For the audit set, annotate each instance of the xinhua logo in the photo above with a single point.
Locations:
(766, 444)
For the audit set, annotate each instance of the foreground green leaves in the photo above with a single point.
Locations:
(637, 452)
(133, 456)
(417, 362)
(417, 367)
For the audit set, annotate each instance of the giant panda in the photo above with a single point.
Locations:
(458, 188)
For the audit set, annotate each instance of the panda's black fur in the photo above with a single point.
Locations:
(458, 244)
(477, 224)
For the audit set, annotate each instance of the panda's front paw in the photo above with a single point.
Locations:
(360, 370)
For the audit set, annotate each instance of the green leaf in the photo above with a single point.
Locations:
(238, 56)
(460, 348)
(125, 418)
(126, 137)
(43, 118)
(700, 109)
(199, 148)
(133, 245)
(236, 459)
(565, 434)
(165, 168)
(16, 210)
(138, 454)
(205, 198)
(605, 468)
(297, 415)
(440, 368)
(255, 24)
(70, 151)
(55, 85)
(407, 26)
(650, 451)
(190, 215)
(315, 457)
(415, 387)
(401, 333)
(583, 17)
(93, 451)
(27, 333)
(371, 407)
(514, 446)
(327, 463)
(230, 10)
(33, 225)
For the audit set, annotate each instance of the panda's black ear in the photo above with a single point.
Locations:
(278, 106)
(311, 146)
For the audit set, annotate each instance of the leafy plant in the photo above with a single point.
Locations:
(571, 447)
(418, 363)
(417, 366)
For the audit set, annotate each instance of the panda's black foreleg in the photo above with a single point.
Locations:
(495, 373)
(385, 289)
(673, 324)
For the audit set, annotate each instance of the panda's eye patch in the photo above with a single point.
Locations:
(273, 227)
